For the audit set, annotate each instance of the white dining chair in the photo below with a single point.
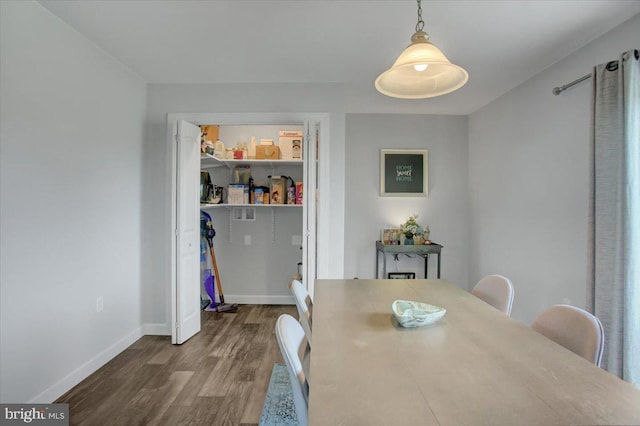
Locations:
(574, 328)
(293, 346)
(497, 291)
(304, 306)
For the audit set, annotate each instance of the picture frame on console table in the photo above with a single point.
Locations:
(402, 275)
(404, 172)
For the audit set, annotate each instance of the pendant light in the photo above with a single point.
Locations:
(421, 71)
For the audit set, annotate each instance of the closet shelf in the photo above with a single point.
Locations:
(208, 160)
(212, 206)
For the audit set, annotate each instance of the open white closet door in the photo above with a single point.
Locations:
(186, 300)
(310, 200)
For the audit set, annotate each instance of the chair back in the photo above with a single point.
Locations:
(293, 345)
(497, 291)
(574, 328)
(304, 306)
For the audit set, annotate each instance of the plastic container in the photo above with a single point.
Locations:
(252, 148)
(219, 149)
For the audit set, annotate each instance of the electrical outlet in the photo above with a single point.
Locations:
(99, 304)
(247, 240)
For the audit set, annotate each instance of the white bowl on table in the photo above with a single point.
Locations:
(416, 314)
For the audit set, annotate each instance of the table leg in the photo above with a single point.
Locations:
(377, 262)
(438, 265)
(384, 265)
(426, 265)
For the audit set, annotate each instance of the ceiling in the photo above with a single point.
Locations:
(500, 43)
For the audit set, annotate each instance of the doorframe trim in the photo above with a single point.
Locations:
(254, 119)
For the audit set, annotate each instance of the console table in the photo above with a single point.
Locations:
(421, 249)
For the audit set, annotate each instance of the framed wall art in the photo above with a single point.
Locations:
(404, 172)
(402, 275)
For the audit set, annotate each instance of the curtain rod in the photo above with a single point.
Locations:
(558, 90)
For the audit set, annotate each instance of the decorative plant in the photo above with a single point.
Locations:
(411, 227)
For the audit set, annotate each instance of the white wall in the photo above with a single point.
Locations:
(528, 180)
(72, 135)
(80, 219)
(231, 98)
(445, 210)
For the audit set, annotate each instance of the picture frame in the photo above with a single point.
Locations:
(390, 236)
(401, 275)
(404, 172)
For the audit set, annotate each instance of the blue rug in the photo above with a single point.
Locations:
(278, 409)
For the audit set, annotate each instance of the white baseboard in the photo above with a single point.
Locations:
(156, 329)
(259, 299)
(85, 370)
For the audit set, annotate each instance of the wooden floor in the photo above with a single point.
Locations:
(218, 377)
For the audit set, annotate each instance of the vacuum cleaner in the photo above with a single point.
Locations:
(210, 233)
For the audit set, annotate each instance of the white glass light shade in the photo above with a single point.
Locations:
(402, 80)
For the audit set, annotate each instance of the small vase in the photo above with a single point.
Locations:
(408, 241)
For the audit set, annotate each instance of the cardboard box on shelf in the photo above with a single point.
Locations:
(267, 152)
(235, 194)
(297, 149)
(290, 143)
(272, 153)
(291, 195)
(211, 132)
(257, 196)
(277, 189)
(245, 195)
(299, 189)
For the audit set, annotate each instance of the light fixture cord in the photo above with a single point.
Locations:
(420, 24)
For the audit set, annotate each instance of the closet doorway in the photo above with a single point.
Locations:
(184, 163)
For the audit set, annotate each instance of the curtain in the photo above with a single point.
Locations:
(614, 213)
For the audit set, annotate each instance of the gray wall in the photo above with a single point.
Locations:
(528, 180)
(70, 188)
(445, 210)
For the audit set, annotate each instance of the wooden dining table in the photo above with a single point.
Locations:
(475, 366)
